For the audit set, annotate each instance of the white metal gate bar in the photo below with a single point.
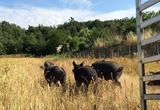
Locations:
(142, 42)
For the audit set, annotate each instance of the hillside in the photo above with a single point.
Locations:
(44, 40)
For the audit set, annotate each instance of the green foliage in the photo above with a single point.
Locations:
(43, 40)
(55, 39)
(30, 44)
(73, 44)
(148, 15)
(11, 38)
(82, 46)
(85, 32)
(40, 47)
(2, 50)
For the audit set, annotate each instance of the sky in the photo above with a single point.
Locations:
(54, 12)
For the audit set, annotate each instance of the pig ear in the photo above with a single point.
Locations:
(45, 64)
(42, 67)
(74, 64)
(120, 68)
(82, 63)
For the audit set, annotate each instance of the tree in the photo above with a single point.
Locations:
(73, 44)
(30, 44)
(55, 39)
(43, 40)
(2, 51)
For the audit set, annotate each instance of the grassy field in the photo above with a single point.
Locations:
(23, 87)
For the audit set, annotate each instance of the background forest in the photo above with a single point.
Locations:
(43, 40)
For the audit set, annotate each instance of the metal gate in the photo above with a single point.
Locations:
(140, 44)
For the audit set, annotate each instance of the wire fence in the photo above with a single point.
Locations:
(117, 51)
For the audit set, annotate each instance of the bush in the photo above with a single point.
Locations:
(82, 46)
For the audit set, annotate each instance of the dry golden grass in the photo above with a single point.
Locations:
(99, 43)
(132, 38)
(147, 33)
(23, 87)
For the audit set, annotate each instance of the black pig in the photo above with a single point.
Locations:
(108, 70)
(85, 74)
(54, 74)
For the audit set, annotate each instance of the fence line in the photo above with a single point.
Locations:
(117, 51)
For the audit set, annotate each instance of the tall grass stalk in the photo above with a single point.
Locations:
(23, 87)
